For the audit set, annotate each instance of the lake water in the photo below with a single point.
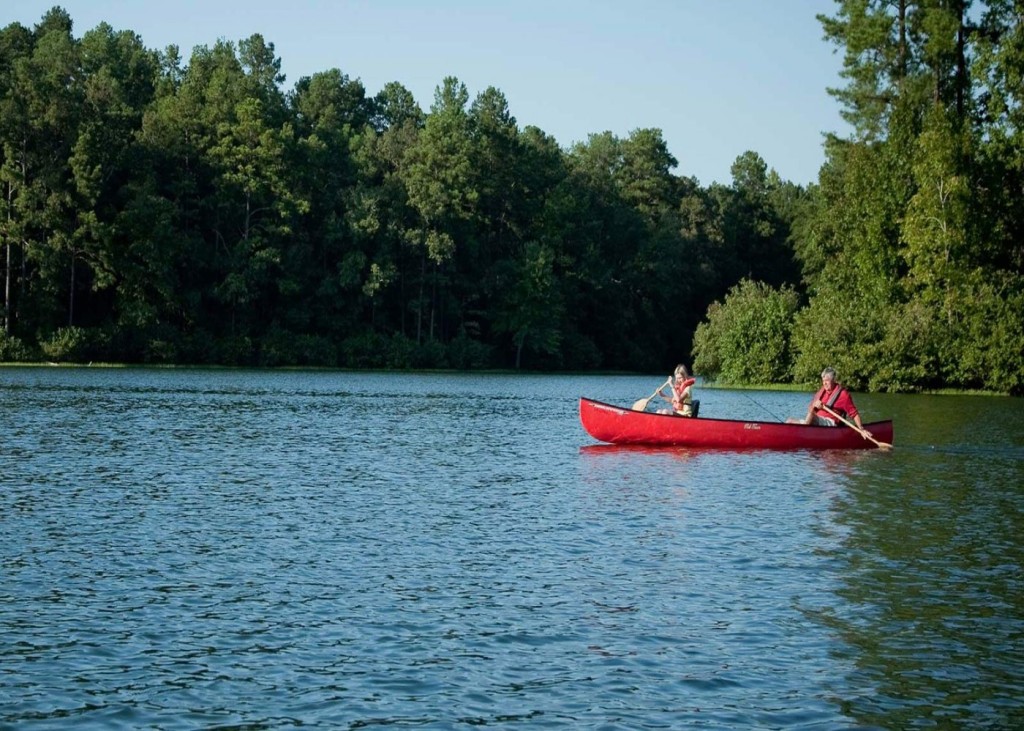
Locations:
(250, 549)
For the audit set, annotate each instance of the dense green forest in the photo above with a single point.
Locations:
(161, 211)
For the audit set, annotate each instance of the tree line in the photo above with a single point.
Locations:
(912, 243)
(157, 211)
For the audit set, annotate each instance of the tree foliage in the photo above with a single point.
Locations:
(747, 337)
(906, 259)
(909, 231)
(161, 209)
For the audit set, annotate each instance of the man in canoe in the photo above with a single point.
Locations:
(831, 397)
(682, 393)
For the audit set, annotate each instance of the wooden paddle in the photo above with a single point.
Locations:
(641, 405)
(864, 433)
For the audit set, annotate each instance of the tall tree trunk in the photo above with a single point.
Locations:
(962, 81)
(433, 301)
(419, 299)
(403, 293)
(248, 218)
(7, 287)
(21, 285)
(901, 61)
(71, 294)
(7, 264)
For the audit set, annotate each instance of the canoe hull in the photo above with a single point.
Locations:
(617, 425)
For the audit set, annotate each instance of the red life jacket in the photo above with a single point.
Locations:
(831, 403)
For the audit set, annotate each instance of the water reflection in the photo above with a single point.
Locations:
(932, 587)
(841, 462)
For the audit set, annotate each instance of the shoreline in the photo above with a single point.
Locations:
(711, 386)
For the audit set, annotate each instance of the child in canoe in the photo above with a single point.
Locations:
(681, 397)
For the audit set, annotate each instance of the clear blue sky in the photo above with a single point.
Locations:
(718, 77)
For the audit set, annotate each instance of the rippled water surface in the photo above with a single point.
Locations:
(190, 548)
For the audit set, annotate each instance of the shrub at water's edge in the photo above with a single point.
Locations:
(746, 339)
(758, 335)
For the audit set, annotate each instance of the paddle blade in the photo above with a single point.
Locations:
(641, 405)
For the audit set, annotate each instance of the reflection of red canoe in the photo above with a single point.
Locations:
(617, 425)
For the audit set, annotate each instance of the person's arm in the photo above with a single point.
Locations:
(856, 420)
(815, 405)
(860, 427)
(851, 410)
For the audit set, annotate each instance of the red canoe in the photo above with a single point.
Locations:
(617, 425)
